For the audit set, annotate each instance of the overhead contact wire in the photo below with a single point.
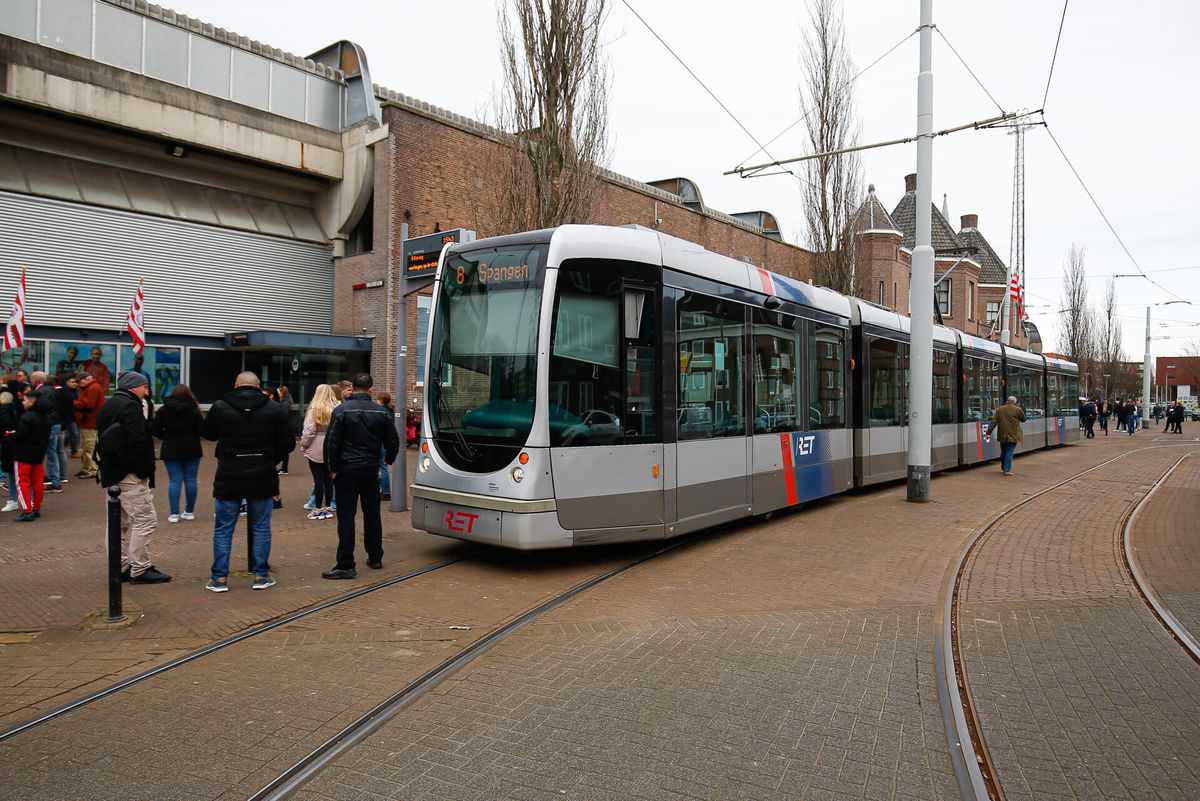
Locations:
(1104, 216)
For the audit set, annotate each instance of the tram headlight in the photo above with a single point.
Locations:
(425, 463)
(517, 474)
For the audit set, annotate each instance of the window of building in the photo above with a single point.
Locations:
(826, 376)
(29, 357)
(881, 301)
(992, 311)
(970, 300)
(942, 292)
(710, 367)
(773, 360)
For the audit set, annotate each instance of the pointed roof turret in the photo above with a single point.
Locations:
(872, 216)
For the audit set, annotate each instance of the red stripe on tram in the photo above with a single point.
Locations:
(789, 470)
(768, 284)
(979, 439)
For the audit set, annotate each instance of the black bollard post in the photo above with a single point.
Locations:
(114, 555)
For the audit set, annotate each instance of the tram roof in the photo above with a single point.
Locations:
(1018, 355)
(871, 314)
(638, 243)
(1061, 365)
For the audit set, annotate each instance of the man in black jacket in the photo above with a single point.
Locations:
(360, 431)
(126, 451)
(253, 434)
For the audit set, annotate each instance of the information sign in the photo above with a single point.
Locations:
(420, 254)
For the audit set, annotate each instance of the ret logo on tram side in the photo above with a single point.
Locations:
(806, 444)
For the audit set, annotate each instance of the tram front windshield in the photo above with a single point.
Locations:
(483, 355)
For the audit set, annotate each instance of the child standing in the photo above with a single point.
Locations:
(29, 444)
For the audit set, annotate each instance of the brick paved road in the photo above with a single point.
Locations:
(783, 660)
(1166, 536)
(1081, 692)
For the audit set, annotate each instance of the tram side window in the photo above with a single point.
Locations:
(587, 398)
(773, 363)
(710, 367)
(1070, 395)
(887, 377)
(1022, 386)
(943, 387)
(826, 377)
(982, 388)
(1054, 393)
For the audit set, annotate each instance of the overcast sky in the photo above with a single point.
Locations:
(1122, 104)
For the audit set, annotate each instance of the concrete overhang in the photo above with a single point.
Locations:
(78, 87)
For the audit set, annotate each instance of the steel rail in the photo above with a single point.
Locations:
(968, 750)
(284, 785)
(104, 692)
(1144, 586)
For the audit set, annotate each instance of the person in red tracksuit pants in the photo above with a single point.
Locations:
(28, 446)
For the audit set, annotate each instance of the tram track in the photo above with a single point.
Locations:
(289, 781)
(158, 670)
(972, 761)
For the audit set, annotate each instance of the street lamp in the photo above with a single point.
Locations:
(1106, 376)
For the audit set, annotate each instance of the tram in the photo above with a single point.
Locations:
(592, 384)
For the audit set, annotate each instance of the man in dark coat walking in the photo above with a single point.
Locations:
(359, 432)
(126, 453)
(252, 435)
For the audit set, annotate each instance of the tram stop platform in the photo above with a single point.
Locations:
(791, 658)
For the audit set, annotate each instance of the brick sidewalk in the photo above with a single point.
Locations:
(54, 580)
(791, 658)
(1166, 537)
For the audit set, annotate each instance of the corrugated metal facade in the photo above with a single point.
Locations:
(84, 263)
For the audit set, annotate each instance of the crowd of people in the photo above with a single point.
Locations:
(1127, 415)
(348, 440)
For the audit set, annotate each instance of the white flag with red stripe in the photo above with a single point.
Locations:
(136, 321)
(14, 329)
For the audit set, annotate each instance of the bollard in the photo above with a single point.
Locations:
(114, 555)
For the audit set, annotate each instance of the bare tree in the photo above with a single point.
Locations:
(1077, 330)
(555, 105)
(834, 186)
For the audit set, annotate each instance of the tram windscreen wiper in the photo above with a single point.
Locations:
(461, 445)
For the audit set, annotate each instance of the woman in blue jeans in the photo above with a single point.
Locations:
(177, 424)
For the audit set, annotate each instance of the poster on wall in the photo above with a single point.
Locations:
(97, 360)
(31, 356)
(160, 366)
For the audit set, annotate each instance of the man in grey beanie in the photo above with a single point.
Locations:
(126, 451)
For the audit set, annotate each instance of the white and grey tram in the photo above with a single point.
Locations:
(592, 384)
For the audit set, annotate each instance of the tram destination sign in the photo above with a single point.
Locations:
(421, 253)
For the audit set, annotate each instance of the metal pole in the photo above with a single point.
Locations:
(400, 468)
(249, 541)
(1146, 376)
(115, 614)
(920, 387)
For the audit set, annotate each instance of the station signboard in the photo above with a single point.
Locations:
(420, 254)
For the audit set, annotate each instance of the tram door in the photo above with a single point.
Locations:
(605, 416)
(712, 453)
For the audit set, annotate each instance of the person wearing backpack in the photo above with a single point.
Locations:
(126, 450)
